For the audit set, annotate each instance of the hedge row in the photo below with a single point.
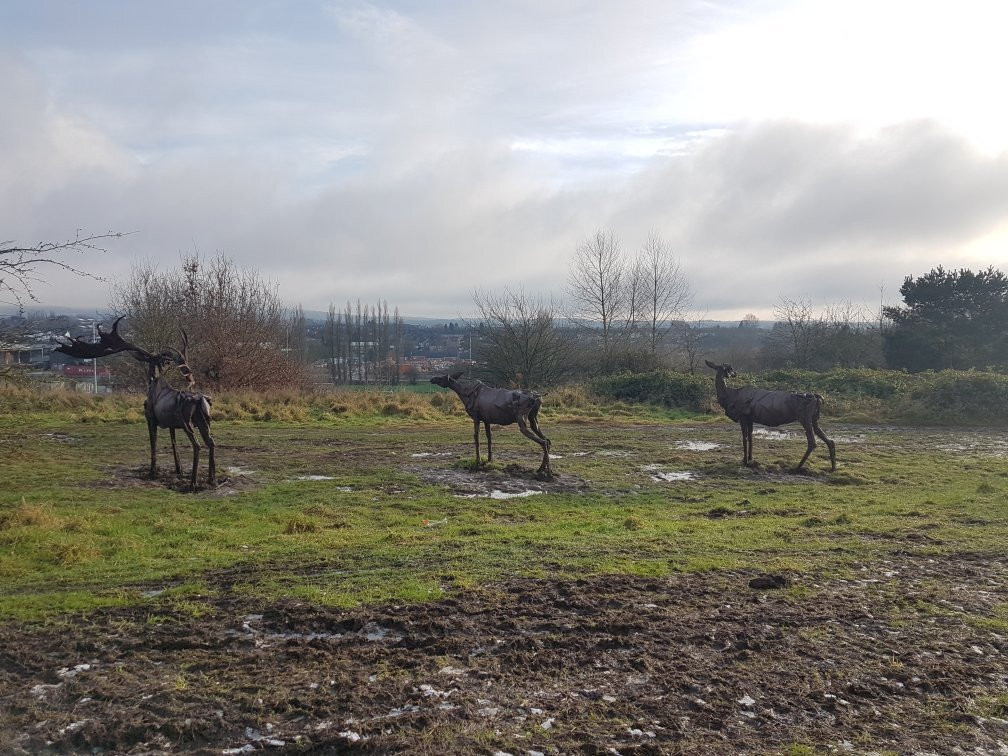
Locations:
(947, 397)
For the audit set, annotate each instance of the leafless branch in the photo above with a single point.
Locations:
(20, 265)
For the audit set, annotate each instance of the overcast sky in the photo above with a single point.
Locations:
(415, 151)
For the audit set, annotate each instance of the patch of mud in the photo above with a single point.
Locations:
(61, 438)
(507, 483)
(896, 657)
(127, 477)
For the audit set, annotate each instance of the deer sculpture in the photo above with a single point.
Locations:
(164, 407)
(749, 405)
(485, 404)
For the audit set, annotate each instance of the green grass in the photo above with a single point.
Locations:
(80, 528)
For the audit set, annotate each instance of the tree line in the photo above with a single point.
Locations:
(363, 344)
(621, 310)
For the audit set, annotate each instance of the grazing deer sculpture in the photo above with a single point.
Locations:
(164, 407)
(748, 405)
(485, 404)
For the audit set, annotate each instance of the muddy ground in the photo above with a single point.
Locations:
(895, 657)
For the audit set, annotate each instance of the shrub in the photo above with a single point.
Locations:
(661, 387)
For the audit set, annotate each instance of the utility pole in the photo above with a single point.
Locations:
(94, 360)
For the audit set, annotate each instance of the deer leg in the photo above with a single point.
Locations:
(195, 454)
(476, 434)
(152, 430)
(829, 444)
(204, 429)
(486, 426)
(811, 445)
(535, 429)
(544, 466)
(174, 449)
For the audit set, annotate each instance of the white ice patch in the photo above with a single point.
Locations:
(68, 672)
(373, 632)
(698, 445)
(314, 477)
(42, 690)
(495, 494)
(498, 494)
(658, 475)
(671, 477)
(775, 435)
(423, 455)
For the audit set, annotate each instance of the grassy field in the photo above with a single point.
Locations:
(80, 525)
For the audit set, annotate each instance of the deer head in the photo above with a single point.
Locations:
(445, 380)
(723, 371)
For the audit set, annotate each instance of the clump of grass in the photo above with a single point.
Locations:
(72, 553)
(299, 523)
(38, 516)
(633, 522)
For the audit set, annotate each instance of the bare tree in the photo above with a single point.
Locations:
(796, 328)
(239, 324)
(665, 290)
(20, 266)
(519, 341)
(690, 341)
(596, 285)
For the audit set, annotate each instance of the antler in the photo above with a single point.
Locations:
(181, 359)
(108, 343)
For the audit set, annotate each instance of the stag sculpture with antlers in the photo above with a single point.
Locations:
(165, 406)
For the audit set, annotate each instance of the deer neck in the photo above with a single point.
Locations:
(467, 393)
(721, 387)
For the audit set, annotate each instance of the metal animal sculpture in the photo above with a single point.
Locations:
(485, 404)
(164, 407)
(748, 405)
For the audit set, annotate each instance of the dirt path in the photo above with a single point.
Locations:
(897, 657)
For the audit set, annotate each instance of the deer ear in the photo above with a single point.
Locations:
(456, 376)
(711, 365)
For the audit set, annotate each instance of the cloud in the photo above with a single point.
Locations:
(361, 150)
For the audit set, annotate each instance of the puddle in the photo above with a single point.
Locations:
(314, 477)
(235, 471)
(698, 445)
(612, 453)
(424, 455)
(580, 454)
